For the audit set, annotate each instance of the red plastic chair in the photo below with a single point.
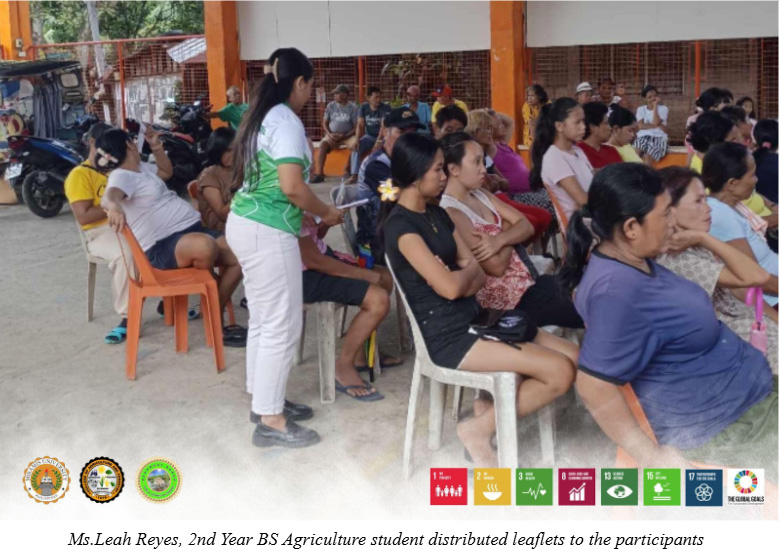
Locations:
(625, 460)
(176, 285)
(192, 189)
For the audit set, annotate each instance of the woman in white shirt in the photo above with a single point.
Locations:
(652, 119)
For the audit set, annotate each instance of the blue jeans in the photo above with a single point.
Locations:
(365, 145)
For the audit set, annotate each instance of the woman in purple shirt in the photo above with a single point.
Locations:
(708, 395)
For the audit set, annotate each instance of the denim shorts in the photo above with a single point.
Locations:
(162, 255)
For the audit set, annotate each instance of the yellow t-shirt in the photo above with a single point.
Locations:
(696, 164)
(86, 184)
(756, 204)
(437, 106)
(628, 154)
(529, 113)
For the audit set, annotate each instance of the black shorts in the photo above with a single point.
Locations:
(548, 305)
(162, 255)
(319, 288)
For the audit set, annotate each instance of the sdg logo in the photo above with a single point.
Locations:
(703, 487)
(619, 487)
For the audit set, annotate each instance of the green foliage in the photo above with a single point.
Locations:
(57, 480)
(67, 21)
(34, 479)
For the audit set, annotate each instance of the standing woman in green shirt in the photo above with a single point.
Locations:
(272, 160)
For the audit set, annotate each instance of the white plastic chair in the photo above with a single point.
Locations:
(92, 263)
(326, 347)
(502, 385)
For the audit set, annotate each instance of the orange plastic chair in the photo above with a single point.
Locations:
(563, 220)
(192, 189)
(176, 285)
(625, 460)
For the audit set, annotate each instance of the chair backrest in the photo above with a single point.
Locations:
(192, 189)
(419, 341)
(339, 196)
(636, 410)
(145, 269)
(563, 220)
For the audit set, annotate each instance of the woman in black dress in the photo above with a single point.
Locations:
(440, 276)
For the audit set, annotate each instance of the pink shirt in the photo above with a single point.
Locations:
(557, 165)
(308, 228)
(513, 168)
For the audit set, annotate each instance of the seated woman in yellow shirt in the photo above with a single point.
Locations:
(624, 129)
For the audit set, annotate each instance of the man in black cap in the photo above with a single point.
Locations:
(338, 127)
(376, 169)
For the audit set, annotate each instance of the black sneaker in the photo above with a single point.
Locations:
(292, 411)
(231, 339)
(296, 436)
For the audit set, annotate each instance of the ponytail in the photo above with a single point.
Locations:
(619, 192)
(282, 70)
(765, 135)
(544, 135)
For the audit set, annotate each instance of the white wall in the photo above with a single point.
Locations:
(333, 29)
(574, 23)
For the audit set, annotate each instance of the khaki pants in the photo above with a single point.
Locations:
(103, 242)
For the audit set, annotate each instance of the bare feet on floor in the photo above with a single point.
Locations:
(475, 434)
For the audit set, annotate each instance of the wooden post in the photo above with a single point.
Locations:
(507, 61)
(15, 26)
(222, 51)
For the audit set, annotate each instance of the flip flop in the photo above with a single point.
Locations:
(192, 314)
(365, 367)
(371, 397)
(116, 336)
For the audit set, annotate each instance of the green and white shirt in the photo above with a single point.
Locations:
(281, 140)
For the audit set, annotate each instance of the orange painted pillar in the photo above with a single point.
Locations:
(15, 26)
(222, 51)
(507, 61)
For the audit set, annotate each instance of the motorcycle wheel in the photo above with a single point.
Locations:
(39, 198)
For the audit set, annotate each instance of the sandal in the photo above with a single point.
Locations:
(116, 336)
(235, 329)
(371, 397)
(192, 314)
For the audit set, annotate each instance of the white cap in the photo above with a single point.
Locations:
(583, 86)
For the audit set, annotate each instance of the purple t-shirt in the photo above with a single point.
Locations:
(513, 168)
(692, 375)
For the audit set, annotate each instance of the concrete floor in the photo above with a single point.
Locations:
(63, 393)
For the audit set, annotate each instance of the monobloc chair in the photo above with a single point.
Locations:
(178, 284)
(563, 220)
(92, 263)
(502, 385)
(192, 189)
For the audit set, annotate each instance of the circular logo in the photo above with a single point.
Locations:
(102, 480)
(703, 493)
(159, 480)
(746, 482)
(46, 480)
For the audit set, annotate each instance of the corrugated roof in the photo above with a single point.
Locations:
(188, 49)
(9, 69)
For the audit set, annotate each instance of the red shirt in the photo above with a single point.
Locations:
(607, 155)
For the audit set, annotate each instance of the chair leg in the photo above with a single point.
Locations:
(457, 396)
(326, 343)
(414, 403)
(91, 271)
(436, 414)
(506, 422)
(168, 307)
(343, 321)
(216, 324)
(547, 433)
(205, 313)
(180, 322)
(134, 310)
(404, 339)
(298, 358)
(377, 357)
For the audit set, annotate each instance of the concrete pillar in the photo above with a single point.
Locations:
(222, 51)
(507, 61)
(15, 25)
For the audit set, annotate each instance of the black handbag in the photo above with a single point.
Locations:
(511, 326)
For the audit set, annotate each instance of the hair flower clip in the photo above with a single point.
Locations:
(105, 158)
(388, 191)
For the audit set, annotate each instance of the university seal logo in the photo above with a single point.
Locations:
(102, 480)
(158, 480)
(46, 480)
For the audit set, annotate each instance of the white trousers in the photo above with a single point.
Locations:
(271, 262)
(103, 242)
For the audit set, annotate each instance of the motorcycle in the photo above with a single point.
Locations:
(190, 119)
(181, 150)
